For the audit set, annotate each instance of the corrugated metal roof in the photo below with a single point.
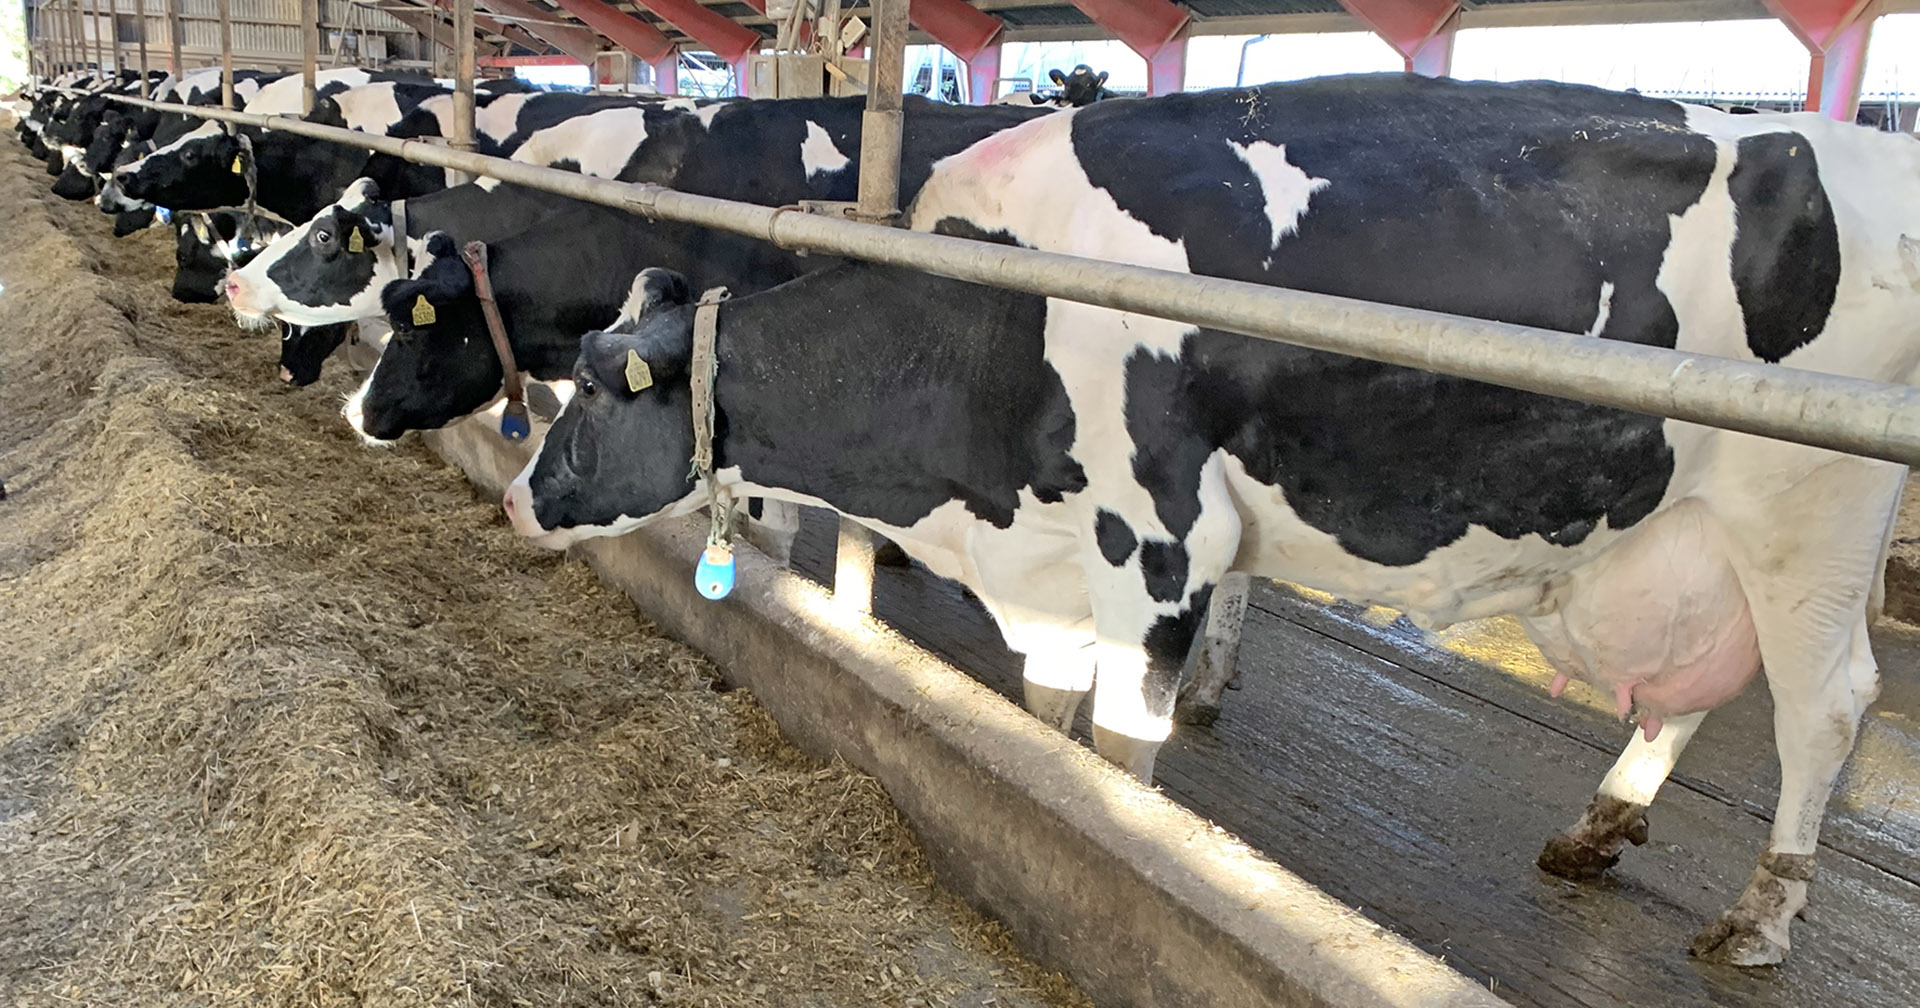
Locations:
(1262, 8)
(1027, 17)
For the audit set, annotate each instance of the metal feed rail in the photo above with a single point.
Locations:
(1850, 415)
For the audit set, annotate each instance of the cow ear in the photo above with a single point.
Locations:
(653, 288)
(1100, 80)
(1058, 77)
(362, 192)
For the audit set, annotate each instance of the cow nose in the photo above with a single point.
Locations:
(233, 289)
(286, 375)
(506, 503)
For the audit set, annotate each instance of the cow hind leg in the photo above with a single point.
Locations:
(1617, 815)
(1815, 721)
(1809, 556)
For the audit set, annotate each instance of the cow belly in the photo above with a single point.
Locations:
(1659, 622)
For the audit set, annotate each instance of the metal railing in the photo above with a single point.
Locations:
(1850, 415)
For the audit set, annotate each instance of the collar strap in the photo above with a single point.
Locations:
(513, 421)
(701, 371)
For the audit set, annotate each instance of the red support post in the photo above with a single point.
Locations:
(666, 73)
(1167, 69)
(967, 33)
(623, 29)
(1155, 29)
(983, 74)
(962, 28)
(1836, 33)
(1421, 31)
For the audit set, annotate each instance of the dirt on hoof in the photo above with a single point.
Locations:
(286, 721)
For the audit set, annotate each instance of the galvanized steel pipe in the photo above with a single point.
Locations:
(1851, 415)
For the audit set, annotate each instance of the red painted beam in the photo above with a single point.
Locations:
(529, 61)
(1421, 31)
(963, 29)
(1146, 26)
(577, 43)
(1836, 33)
(726, 38)
(622, 29)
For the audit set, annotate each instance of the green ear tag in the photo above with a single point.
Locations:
(355, 243)
(237, 170)
(422, 311)
(639, 375)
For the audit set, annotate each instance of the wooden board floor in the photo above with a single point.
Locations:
(1415, 776)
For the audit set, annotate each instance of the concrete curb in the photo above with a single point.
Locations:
(1140, 901)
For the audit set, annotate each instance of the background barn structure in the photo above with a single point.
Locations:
(1335, 701)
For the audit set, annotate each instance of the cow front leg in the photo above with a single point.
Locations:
(1815, 722)
(1617, 815)
(1056, 682)
(771, 527)
(1218, 654)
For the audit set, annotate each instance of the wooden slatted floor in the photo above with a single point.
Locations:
(1414, 778)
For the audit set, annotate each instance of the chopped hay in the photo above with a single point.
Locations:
(285, 721)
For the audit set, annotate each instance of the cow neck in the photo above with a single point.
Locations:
(513, 421)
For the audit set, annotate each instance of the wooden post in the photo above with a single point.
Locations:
(226, 53)
(76, 20)
(463, 74)
(113, 32)
(99, 43)
(309, 53)
(140, 15)
(173, 35)
(878, 204)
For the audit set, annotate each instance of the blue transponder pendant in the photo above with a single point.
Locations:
(514, 425)
(165, 215)
(714, 573)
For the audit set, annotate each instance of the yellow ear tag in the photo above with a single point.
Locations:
(422, 311)
(639, 375)
(237, 170)
(355, 243)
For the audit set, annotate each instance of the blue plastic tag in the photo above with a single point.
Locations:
(515, 426)
(164, 215)
(714, 574)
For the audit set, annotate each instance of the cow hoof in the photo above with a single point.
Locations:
(1574, 859)
(1193, 711)
(887, 554)
(1729, 943)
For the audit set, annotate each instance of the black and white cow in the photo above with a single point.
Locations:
(1072, 90)
(203, 169)
(769, 152)
(1093, 474)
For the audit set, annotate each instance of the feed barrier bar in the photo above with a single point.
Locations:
(1850, 415)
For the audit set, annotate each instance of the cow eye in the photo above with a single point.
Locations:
(588, 388)
(322, 237)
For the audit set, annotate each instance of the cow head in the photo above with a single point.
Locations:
(208, 246)
(617, 454)
(304, 348)
(197, 265)
(330, 269)
(131, 221)
(440, 364)
(1082, 86)
(200, 170)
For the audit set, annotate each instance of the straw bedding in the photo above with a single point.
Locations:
(285, 721)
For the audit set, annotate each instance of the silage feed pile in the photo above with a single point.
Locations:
(289, 721)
